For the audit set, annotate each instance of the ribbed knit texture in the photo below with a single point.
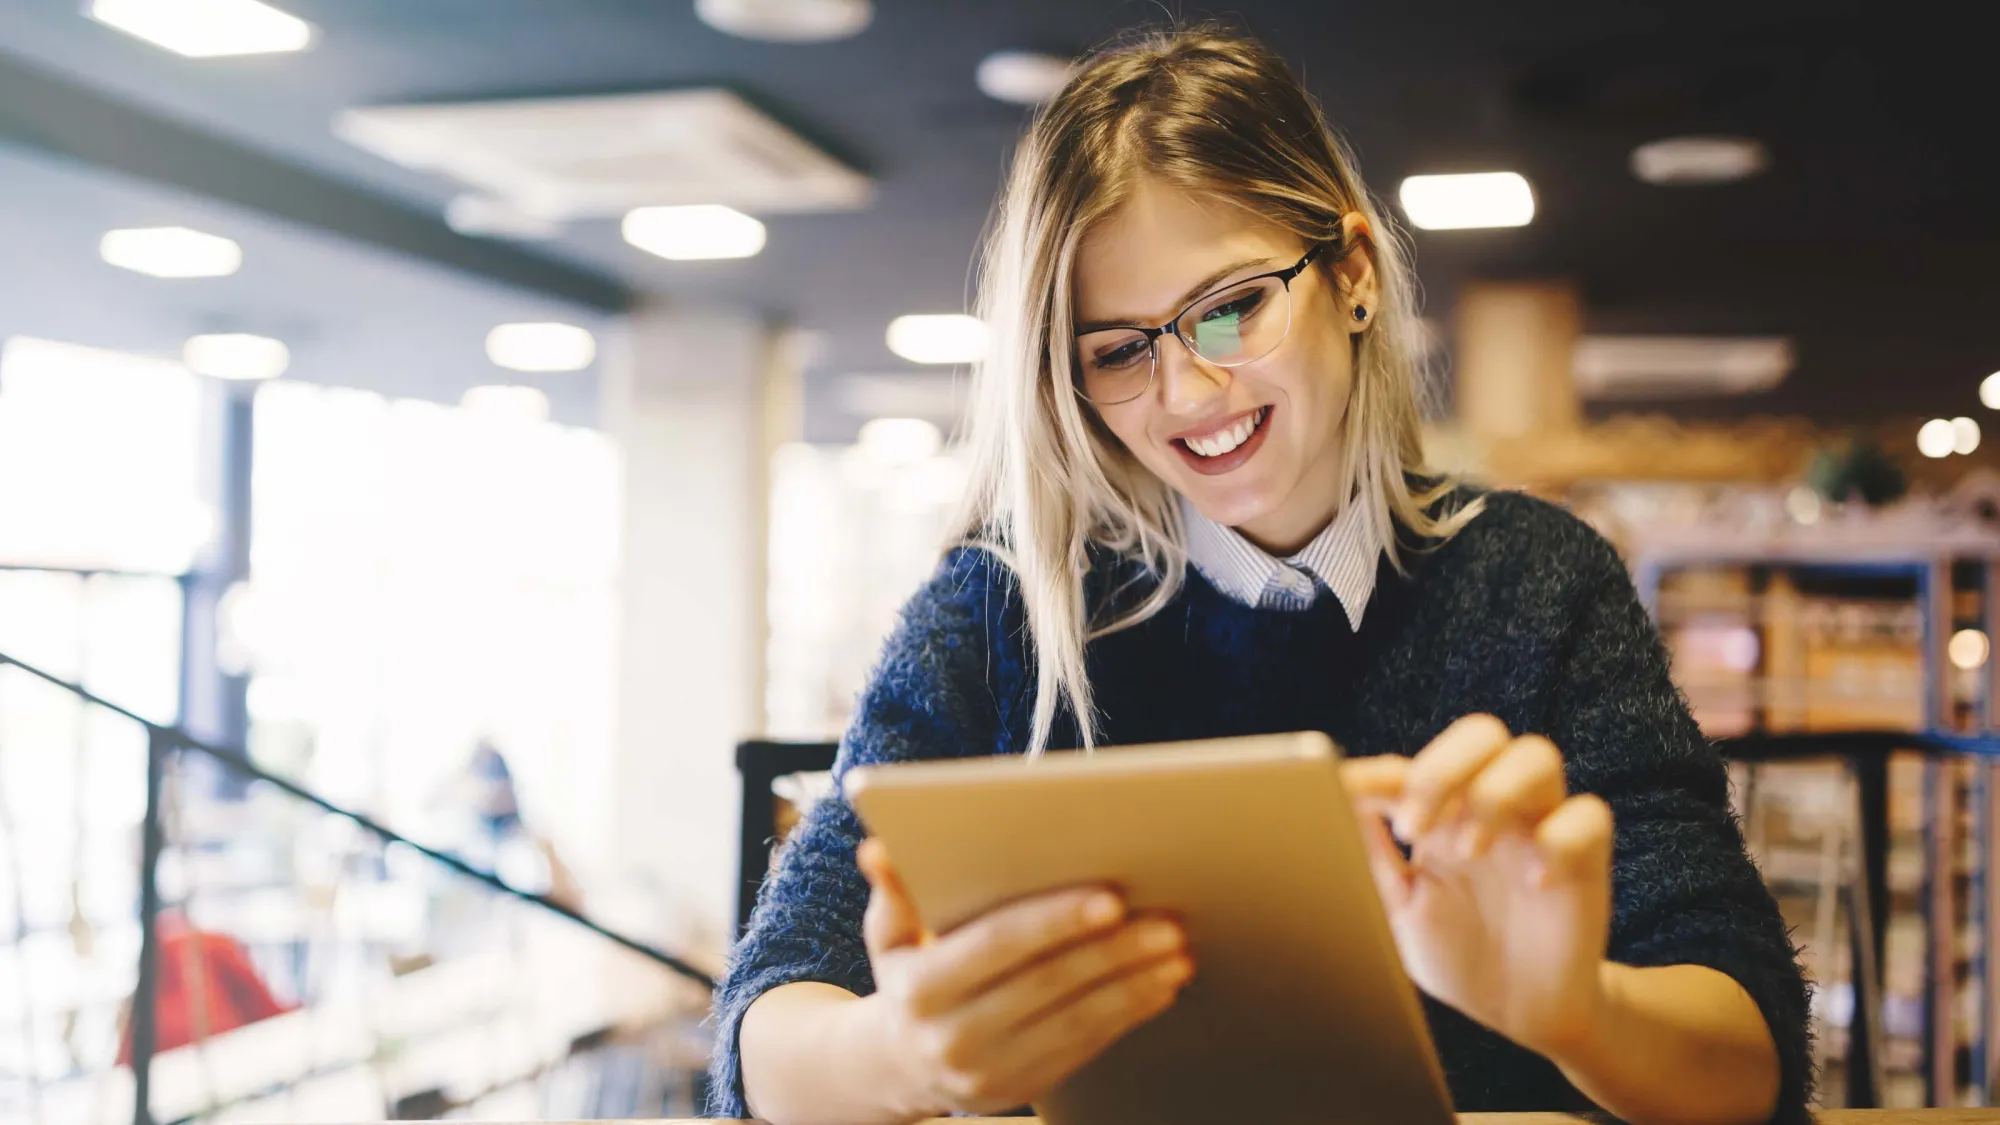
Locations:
(1527, 614)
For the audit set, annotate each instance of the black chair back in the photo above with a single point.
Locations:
(761, 763)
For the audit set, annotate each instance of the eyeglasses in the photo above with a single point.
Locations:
(1229, 327)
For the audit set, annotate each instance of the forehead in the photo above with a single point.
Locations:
(1137, 262)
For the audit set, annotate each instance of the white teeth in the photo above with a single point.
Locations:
(1215, 445)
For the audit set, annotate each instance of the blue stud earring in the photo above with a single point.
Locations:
(1361, 312)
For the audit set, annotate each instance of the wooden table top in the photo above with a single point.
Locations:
(1829, 1117)
(1990, 1116)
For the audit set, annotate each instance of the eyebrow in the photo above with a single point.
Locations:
(1194, 292)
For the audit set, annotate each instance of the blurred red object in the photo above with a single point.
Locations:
(207, 986)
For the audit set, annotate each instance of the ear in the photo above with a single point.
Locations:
(1354, 274)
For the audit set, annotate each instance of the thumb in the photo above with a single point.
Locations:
(1385, 862)
(891, 920)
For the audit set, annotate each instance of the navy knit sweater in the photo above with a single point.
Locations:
(1526, 614)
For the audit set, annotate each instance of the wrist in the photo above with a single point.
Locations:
(899, 1090)
(1576, 1046)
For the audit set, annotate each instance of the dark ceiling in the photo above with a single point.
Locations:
(1872, 241)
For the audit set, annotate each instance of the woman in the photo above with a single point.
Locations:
(1197, 511)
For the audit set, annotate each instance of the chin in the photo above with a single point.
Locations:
(1231, 506)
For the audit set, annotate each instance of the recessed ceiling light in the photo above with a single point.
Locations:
(900, 441)
(938, 338)
(1937, 438)
(522, 404)
(1468, 201)
(1989, 391)
(483, 216)
(1023, 77)
(1699, 160)
(786, 21)
(541, 347)
(694, 233)
(1964, 435)
(175, 252)
(201, 29)
(236, 355)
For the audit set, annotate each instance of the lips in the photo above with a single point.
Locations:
(1222, 449)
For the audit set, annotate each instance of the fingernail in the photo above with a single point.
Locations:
(1102, 909)
(1176, 971)
(1160, 937)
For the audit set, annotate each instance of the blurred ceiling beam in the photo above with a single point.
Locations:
(42, 111)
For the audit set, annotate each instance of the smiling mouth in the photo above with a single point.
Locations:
(1225, 442)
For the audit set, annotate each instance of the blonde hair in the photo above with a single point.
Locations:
(1212, 112)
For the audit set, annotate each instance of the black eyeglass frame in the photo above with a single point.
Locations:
(1152, 335)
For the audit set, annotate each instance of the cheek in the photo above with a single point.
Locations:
(1128, 423)
(1316, 386)
(1326, 380)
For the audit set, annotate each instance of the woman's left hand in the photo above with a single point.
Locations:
(1503, 908)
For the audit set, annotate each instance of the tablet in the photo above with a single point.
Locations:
(1299, 1010)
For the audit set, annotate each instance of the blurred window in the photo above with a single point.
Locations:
(424, 578)
(98, 460)
(854, 531)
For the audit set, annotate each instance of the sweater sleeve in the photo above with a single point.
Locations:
(943, 688)
(1684, 889)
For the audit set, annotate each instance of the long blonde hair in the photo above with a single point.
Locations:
(1211, 112)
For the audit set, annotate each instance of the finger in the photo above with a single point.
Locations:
(1386, 862)
(1375, 783)
(890, 921)
(1574, 842)
(1516, 789)
(1056, 1046)
(1063, 977)
(992, 947)
(1439, 774)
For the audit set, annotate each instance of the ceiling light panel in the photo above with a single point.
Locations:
(787, 21)
(204, 29)
(900, 441)
(1023, 77)
(701, 232)
(511, 403)
(557, 159)
(545, 346)
(1699, 160)
(171, 252)
(237, 356)
(938, 338)
(485, 217)
(1468, 201)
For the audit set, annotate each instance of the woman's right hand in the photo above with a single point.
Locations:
(993, 1014)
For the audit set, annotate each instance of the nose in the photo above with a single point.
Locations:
(1188, 383)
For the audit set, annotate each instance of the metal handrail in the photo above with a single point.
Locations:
(163, 741)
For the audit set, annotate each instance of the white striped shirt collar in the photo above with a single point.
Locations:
(1338, 556)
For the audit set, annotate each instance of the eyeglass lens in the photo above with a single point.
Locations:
(1239, 325)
